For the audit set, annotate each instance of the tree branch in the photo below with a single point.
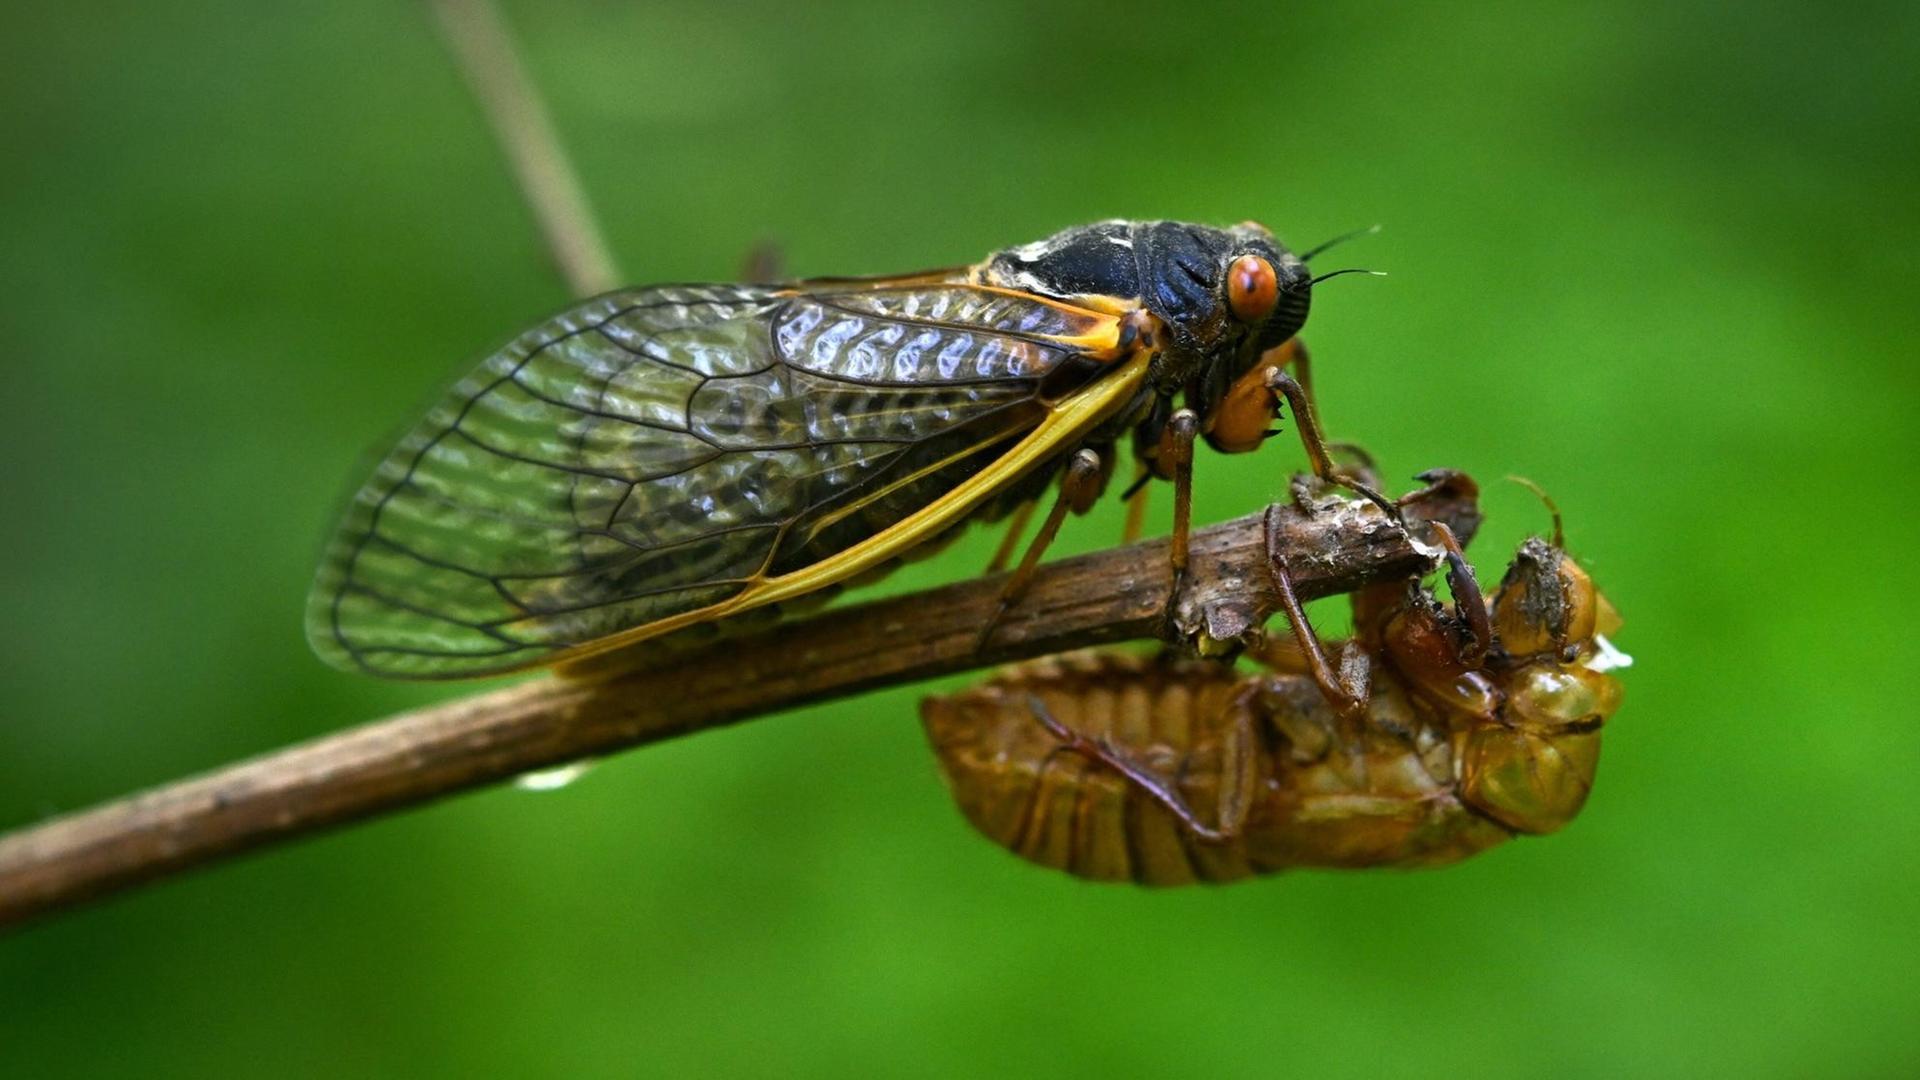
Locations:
(484, 50)
(673, 689)
(415, 757)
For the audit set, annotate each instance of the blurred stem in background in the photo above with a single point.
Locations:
(483, 47)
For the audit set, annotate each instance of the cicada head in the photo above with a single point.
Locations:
(1267, 288)
(1550, 626)
(1226, 296)
(1547, 605)
(1532, 770)
(1237, 328)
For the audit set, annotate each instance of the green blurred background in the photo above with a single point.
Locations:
(1657, 256)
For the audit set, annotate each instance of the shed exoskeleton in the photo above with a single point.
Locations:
(1475, 722)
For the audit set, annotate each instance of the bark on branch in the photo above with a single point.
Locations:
(419, 756)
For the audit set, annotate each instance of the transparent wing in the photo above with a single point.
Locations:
(657, 451)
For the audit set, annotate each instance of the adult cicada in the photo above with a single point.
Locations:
(1472, 726)
(679, 454)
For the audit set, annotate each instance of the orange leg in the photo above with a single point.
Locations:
(1237, 783)
(1242, 420)
(1315, 442)
(1016, 524)
(1293, 354)
(1080, 487)
(1346, 691)
(1282, 655)
(1182, 429)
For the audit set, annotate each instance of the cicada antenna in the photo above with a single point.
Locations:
(1337, 241)
(1348, 270)
(1553, 508)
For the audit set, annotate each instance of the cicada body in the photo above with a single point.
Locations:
(1166, 771)
(661, 457)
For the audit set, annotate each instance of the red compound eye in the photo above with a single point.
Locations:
(1252, 288)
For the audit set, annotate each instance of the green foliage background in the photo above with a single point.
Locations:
(1657, 256)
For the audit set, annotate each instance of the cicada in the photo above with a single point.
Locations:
(673, 455)
(1472, 726)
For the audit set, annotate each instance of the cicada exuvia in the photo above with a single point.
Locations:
(1457, 728)
(659, 457)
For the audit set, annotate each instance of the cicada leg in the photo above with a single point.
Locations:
(1282, 655)
(1307, 420)
(1136, 499)
(1345, 691)
(1466, 598)
(1174, 455)
(1016, 524)
(1182, 429)
(1237, 780)
(1080, 487)
(1360, 459)
(1242, 419)
(1441, 483)
(1293, 353)
(764, 262)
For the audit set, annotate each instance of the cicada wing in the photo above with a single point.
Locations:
(661, 451)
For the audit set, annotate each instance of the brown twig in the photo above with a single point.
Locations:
(480, 43)
(419, 756)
